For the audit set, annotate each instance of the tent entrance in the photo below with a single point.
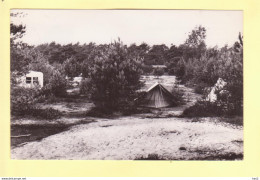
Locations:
(156, 97)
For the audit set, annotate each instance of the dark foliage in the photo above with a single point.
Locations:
(58, 84)
(23, 103)
(22, 100)
(158, 72)
(147, 69)
(114, 77)
(203, 109)
(84, 87)
(48, 113)
(37, 132)
(178, 96)
(100, 112)
(200, 88)
(113, 70)
(156, 55)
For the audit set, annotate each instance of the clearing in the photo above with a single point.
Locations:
(153, 136)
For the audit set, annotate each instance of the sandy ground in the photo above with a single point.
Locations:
(131, 138)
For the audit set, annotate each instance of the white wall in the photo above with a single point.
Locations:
(33, 75)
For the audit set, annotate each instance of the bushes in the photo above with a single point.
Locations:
(23, 103)
(48, 113)
(99, 112)
(84, 87)
(22, 100)
(229, 103)
(124, 110)
(147, 69)
(203, 109)
(54, 79)
(212, 109)
(178, 96)
(200, 88)
(172, 65)
(231, 99)
(58, 84)
(114, 77)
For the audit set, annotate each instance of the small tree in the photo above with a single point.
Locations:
(72, 68)
(114, 77)
(58, 84)
(23, 100)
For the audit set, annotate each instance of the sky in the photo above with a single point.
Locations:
(169, 27)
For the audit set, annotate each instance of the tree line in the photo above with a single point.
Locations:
(112, 71)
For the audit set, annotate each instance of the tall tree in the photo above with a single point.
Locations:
(20, 57)
(195, 46)
(114, 76)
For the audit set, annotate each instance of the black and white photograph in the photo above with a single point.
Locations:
(126, 85)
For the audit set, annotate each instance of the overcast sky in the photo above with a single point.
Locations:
(132, 26)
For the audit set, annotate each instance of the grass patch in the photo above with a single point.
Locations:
(37, 132)
(41, 114)
(99, 112)
(48, 113)
(178, 96)
(108, 113)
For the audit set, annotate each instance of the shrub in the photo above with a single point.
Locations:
(178, 95)
(180, 70)
(99, 112)
(200, 88)
(203, 109)
(23, 103)
(172, 65)
(58, 84)
(72, 67)
(84, 87)
(133, 109)
(231, 99)
(48, 113)
(23, 100)
(171, 71)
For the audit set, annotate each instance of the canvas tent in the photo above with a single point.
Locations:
(156, 96)
(212, 96)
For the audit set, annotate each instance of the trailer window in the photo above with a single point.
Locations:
(28, 80)
(35, 80)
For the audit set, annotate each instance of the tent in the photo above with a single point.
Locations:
(212, 96)
(156, 96)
